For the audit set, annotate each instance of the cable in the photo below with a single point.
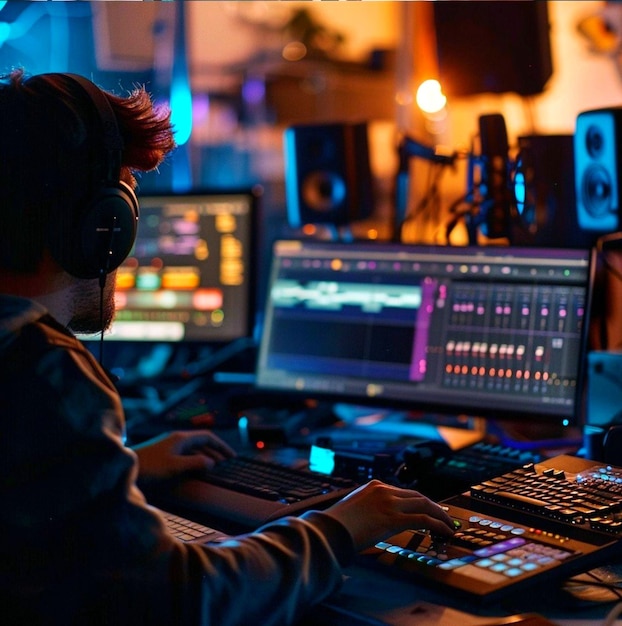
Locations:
(102, 284)
(431, 198)
(103, 273)
(592, 590)
(613, 614)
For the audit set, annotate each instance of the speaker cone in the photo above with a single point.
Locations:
(323, 191)
(596, 191)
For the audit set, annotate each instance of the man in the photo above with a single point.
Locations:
(79, 543)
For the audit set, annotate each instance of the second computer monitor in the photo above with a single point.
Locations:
(190, 276)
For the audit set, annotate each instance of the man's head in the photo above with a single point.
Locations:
(69, 152)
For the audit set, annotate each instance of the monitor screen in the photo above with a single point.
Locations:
(480, 331)
(189, 276)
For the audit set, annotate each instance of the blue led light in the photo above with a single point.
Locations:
(5, 32)
(181, 109)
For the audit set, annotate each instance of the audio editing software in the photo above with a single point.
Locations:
(519, 339)
(189, 276)
(481, 331)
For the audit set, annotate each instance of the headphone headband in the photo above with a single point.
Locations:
(112, 139)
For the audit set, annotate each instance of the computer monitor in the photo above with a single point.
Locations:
(479, 331)
(190, 276)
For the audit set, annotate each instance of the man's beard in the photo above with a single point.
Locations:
(93, 311)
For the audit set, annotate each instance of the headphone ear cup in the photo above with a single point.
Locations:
(108, 231)
(103, 235)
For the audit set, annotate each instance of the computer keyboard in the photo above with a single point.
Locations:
(592, 498)
(273, 481)
(188, 531)
(456, 470)
(247, 492)
(535, 525)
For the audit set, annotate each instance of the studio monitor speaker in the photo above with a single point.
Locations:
(597, 151)
(327, 174)
(544, 192)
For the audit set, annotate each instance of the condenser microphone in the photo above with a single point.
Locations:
(495, 176)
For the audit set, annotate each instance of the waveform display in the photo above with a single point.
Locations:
(334, 296)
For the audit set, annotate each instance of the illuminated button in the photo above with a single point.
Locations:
(530, 566)
(499, 567)
(513, 572)
(454, 563)
(560, 555)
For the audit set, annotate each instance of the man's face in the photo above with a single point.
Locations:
(88, 317)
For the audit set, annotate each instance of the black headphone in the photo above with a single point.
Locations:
(94, 239)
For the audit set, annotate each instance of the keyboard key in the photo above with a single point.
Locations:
(187, 530)
(272, 481)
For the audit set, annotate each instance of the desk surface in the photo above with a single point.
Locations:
(369, 597)
(383, 595)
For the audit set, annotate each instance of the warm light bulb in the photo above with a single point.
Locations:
(430, 97)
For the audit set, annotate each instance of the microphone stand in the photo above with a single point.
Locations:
(409, 148)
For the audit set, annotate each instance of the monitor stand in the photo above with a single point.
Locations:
(547, 438)
(458, 431)
(387, 424)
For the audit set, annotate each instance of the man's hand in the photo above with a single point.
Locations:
(376, 510)
(173, 454)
